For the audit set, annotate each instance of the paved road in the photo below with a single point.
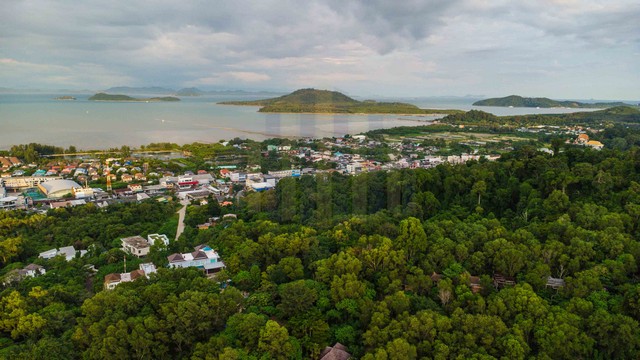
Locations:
(181, 213)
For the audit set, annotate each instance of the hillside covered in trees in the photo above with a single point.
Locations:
(542, 102)
(452, 262)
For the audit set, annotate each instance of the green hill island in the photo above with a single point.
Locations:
(110, 97)
(542, 102)
(333, 102)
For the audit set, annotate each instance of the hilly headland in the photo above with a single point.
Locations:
(543, 102)
(333, 102)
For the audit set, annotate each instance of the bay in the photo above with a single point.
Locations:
(27, 118)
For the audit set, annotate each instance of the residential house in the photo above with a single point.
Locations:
(555, 283)
(203, 258)
(225, 173)
(126, 178)
(31, 270)
(135, 187)
(69, 253)
(114, 279)
(596, 145)
(582, 139)
(153, 238)
(500, 280)
(337, 352)
(136, 245)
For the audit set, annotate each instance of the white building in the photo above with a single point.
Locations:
(10, 202)
(69, 253)
(203, 258)
(153, 238)
(113, 280)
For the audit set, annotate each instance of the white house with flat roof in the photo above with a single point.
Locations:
(153, 238)
(69, 253)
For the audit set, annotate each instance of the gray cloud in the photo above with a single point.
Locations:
(414, 47)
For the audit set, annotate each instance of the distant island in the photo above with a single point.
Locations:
(109, 97)
(333, 102)
(542, 102)
(65, 97)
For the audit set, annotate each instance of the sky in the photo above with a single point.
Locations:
(563, 49)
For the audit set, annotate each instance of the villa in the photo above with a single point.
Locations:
(203, 258)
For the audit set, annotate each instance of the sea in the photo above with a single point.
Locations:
(91, 125)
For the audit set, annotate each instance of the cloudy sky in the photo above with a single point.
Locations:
(556, 48)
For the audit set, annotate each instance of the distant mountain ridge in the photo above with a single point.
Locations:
(139, 90)
(542, 102)
(191, 91)
(326, 101)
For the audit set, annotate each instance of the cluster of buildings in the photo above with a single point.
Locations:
(7, 163)
(203, 257)
(583, 140)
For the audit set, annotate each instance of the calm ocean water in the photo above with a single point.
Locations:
(26, 118)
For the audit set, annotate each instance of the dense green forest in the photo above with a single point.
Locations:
(519, 101)
(325, 101)
(351, 259)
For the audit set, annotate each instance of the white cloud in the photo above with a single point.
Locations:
(414, 47)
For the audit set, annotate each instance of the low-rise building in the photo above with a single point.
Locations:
(204, 257)
(596, 145)
(9, 202)
(154, 238)
(114, 279)
(55, 189)
(136, 246)
(25, 182)
(69, 253)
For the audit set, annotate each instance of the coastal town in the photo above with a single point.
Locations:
(71, 180)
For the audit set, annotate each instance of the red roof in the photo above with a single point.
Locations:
(188, 183)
